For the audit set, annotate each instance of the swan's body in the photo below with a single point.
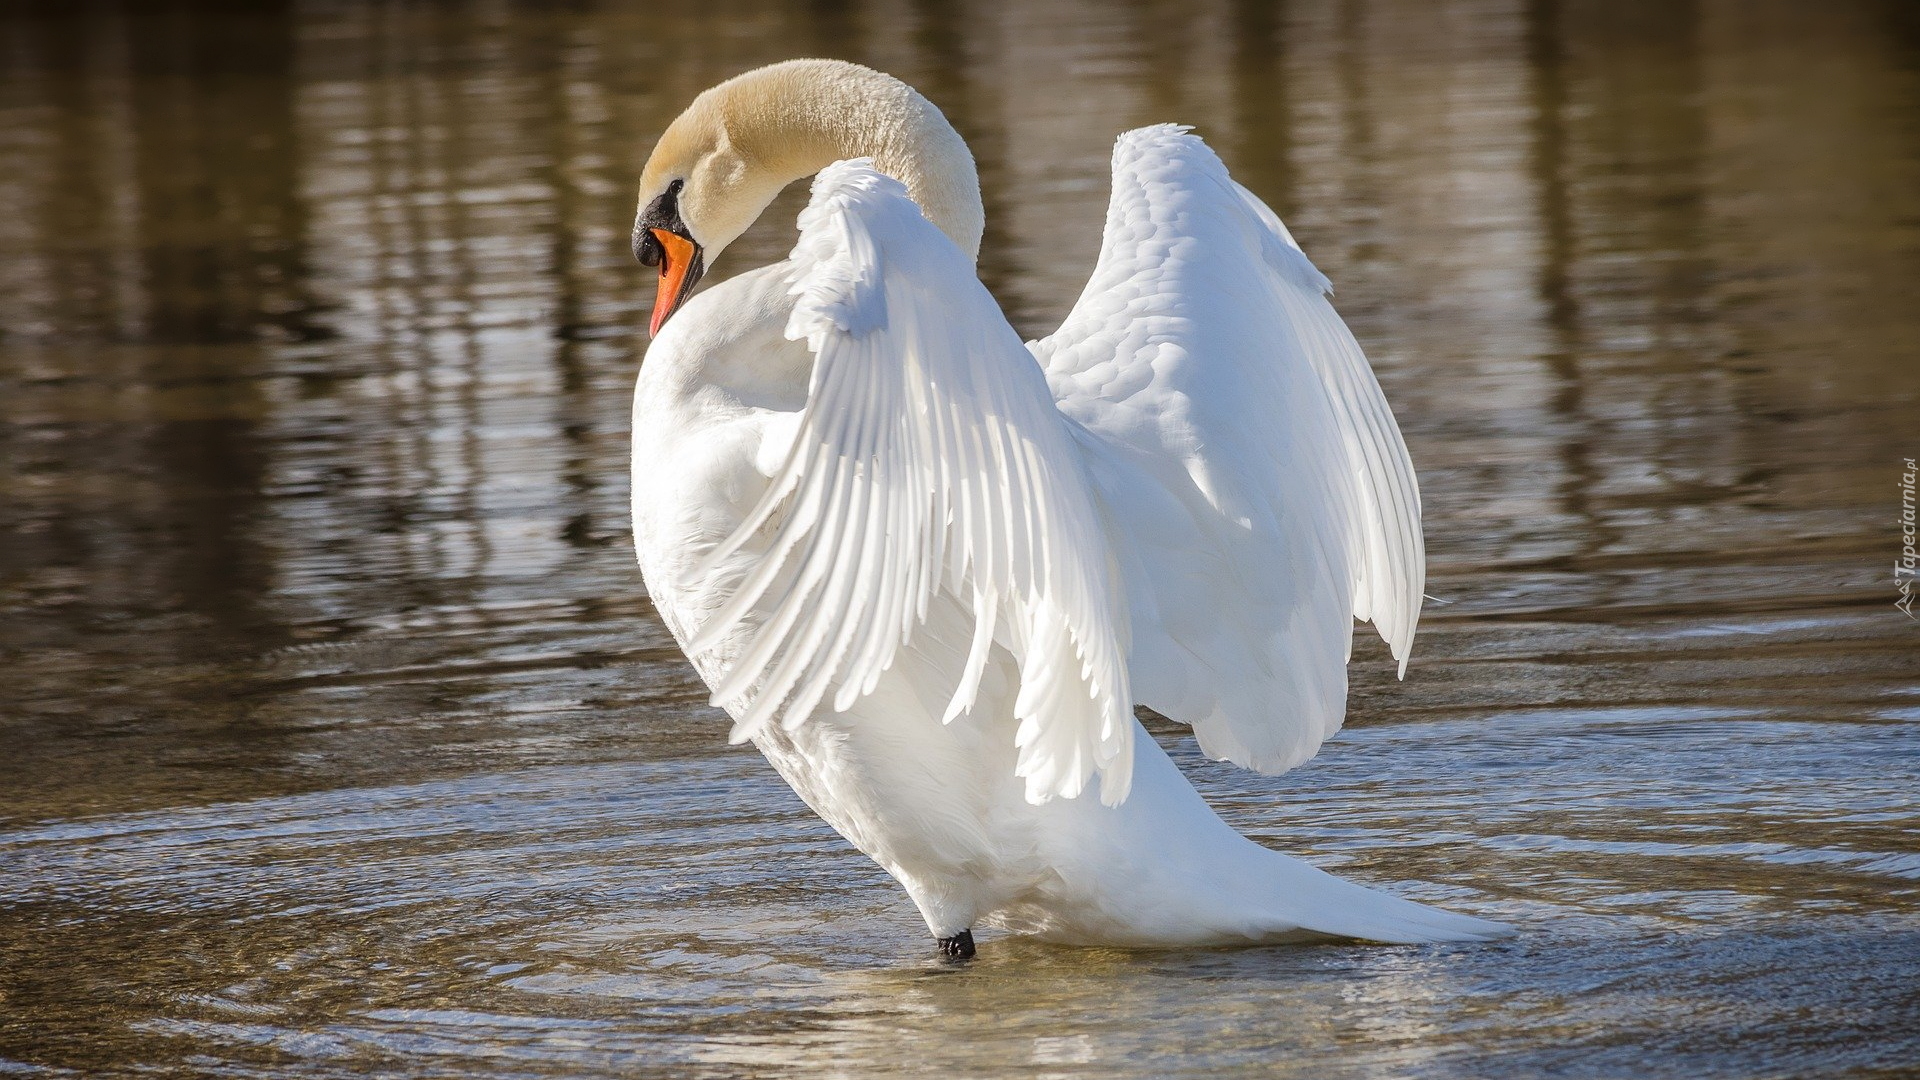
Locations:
(929, 570)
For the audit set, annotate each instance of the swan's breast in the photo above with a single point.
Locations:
(714, 411)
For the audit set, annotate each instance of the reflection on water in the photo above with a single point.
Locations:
(340, 736)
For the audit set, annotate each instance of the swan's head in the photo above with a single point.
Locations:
(698, 193)
(722, 161)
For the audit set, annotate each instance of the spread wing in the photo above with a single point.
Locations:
(930, 458)
(1257, 490)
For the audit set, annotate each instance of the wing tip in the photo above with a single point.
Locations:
(741, 731)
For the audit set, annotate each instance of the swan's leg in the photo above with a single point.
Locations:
(957, 947)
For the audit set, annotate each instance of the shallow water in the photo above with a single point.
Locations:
(340, 737)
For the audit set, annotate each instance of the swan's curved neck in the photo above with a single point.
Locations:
(791, 120)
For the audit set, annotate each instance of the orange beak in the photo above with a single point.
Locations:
(675, 264)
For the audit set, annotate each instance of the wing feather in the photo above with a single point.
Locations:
(930, 457)
(1256, 487)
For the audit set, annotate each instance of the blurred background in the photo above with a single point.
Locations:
(337, 734)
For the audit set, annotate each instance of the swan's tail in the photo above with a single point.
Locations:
(1297, 894)
(1163, 869)
(1253, 895)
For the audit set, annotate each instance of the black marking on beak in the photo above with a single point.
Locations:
(662, 213)
(681, 265)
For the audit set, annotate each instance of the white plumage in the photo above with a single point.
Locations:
(929, 570)
(930, 460)
(1261, 493)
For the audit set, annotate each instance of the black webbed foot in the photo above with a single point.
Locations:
(957, 947)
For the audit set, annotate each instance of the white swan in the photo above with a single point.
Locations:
(929, 570)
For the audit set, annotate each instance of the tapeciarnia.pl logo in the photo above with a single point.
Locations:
(1903, 568)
